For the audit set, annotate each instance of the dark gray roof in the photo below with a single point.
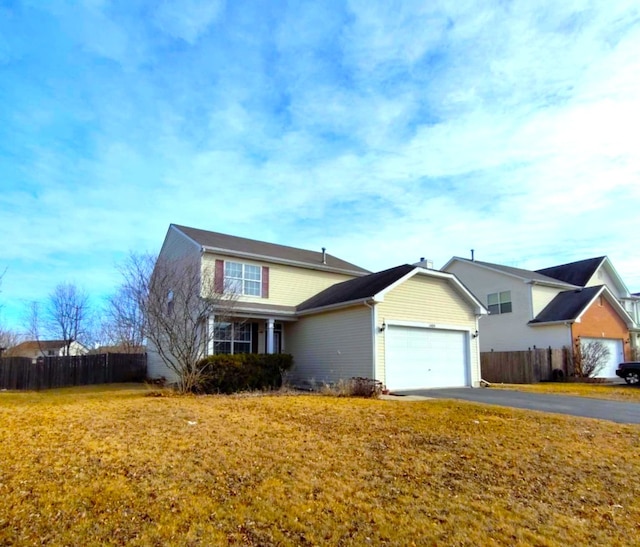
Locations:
(263, 249)
(359, 288)
(526, 274)
(577, 273)
(567, 305)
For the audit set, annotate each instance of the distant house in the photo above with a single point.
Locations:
(121, 348)
(408, 327)
(45, 348)
(555, 307)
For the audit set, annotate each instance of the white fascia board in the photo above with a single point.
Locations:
(274, 260)
(449, 277)
(338, 306)
(616, 276)
(604, 291)
(423, 325)
(547, 323)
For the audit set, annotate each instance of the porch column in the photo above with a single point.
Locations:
(270, 342)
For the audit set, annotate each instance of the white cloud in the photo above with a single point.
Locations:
(188, 19)
(385, 134)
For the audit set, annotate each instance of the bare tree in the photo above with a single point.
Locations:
(68, 314)
(177, 299)
(8, 339)
(124, 323)
(589, 358)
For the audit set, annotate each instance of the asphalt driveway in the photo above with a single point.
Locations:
(614, 411)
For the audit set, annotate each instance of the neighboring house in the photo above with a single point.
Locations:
(554, 307)
(407, 326)
(45, 348)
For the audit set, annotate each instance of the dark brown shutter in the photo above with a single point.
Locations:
(218, 280)
(265, 282)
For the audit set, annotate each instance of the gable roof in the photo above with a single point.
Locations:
(568, 306)
(374, 286)
(360, 288)
(261, 250)
(577, 273)
(525, 275)
(35, 345)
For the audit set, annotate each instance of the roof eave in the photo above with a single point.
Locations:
(276, 260)
(339, 305)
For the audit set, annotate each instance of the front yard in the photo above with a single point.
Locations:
(611, 391)
(109, 465)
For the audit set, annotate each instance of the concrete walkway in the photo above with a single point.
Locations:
(614, 411)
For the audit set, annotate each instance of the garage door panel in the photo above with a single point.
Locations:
(616, 355)
(421, 357)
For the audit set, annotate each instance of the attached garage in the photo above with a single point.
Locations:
(616, 355)
(426, 358)
(408, 327)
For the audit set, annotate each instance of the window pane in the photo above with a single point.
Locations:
(492, 299)
(242, 347)
(252, 272)
(252, 288)
(233, 269)
(505, 296)
(495, 308)
(222, 347)
(222, 331)
(505, 307)
(243, 332)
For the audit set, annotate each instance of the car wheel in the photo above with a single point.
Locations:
(632, 377)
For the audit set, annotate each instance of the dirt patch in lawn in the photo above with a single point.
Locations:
(111, 466)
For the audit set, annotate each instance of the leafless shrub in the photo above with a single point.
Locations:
(589, 358)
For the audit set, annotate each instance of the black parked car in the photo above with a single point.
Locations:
(630, 372)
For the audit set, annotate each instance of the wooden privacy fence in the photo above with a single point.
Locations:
(523, 367)
(75, 370)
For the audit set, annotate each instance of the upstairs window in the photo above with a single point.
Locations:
(244, 279)
(499, 302)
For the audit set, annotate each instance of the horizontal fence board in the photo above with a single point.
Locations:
(522, 367)
(21, 373)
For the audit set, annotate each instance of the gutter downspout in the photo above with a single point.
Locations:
(373, 337)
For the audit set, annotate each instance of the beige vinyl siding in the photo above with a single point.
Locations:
(177, 245)
(331, 346)
(156, 367)
(288, 285)
(428, 302)
(541, 296)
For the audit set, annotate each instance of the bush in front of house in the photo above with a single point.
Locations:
(355, 387)
(243, 372)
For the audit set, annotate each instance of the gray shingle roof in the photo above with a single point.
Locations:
(577, 273)
(519, 272)
(262, 249)
(567, 305)
(359, 288)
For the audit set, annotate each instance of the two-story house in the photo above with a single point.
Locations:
(409, 327)
(553, 307)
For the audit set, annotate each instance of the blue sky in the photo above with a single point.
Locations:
(383, 131)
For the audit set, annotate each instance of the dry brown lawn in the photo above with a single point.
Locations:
(111, 466)
(614, 392)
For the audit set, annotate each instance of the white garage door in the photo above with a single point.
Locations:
(425, 358)
(616, 355)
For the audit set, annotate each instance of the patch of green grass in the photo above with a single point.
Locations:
(614, 392)
(114, 467)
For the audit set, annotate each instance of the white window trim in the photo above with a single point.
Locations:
(500, 302)
(232, 282)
